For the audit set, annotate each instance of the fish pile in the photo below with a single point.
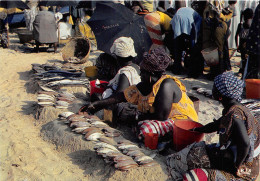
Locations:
(123, 154)
(49, 97)
(254, 106)
(58, 75)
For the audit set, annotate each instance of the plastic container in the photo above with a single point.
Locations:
(97, 89)
(182, 137)
(91, 71)
(253, 88)
(211, 56)
(151, 140)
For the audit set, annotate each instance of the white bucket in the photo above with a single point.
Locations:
(211, 56)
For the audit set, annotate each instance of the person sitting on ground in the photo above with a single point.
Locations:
(242, 33)
(127, 75)
(45, 28)
(160, 98)
(236, 156)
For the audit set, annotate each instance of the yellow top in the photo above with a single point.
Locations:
(165, 21)
(184, 109)
(148, 4)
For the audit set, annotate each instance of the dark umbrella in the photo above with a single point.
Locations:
(7, 4)
(59, 3)
(113, 20)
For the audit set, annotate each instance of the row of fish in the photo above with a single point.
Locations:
(123, 154)
(53, 98)
(57, 75)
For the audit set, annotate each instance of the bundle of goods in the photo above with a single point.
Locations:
(109, 142)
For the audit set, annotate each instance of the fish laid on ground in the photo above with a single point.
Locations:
(67, 82)
(112, 135)
(149, 163)
(50, 93)
(122, 147)
(125, 165)
(96, 123)
(79, 130)
(47, 89)
(91, 130)
(112, 155)
(122, 158)
(108, 140)
(104, 145)
(67, 94)
(65, 115)
(45, 96)
(142, 158)
(78, 124)
(94, 136)
(135, 153)
(46, 103)
(105, 150)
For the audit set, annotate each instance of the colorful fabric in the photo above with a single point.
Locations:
(123, 47)
(131, 74)
(154, 126)
(229, 85)
(184, 109)
(251, 124)
(156, 23)
(179, 163)
(197, 174)
(155, 61)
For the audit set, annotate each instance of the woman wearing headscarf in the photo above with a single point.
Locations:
(128, 74)
(236, 156)
(160, 98)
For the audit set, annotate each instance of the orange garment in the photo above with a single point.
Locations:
(184, 109)
(157, 23)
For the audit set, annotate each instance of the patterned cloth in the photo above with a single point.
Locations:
(154, 126)
(155, 61)
(123, 47)
(229, 85)
(156, 23)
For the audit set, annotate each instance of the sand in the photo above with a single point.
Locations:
(33, 150)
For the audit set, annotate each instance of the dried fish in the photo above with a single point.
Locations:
(65, 115)
(67, 82)
(91, 130)
(96, 123)
(105, 145)
(48, 93)
(107, 140)
(46, 89)
(79, 124)
(79, 129)
(105, 150)
(113, 154)
(122, 158)
(142, 158)
(94, 136)
(122, 147)
(46, 103)
(112, 135)
(127, 167)
(124, 164)
(67, 94)
(149, 163)
(135, 153)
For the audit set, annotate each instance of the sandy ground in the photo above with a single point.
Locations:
(25, 155)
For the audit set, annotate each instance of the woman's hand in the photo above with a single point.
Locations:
(90, 108)
(243, 171)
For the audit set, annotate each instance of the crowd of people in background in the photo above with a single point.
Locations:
(149, 98)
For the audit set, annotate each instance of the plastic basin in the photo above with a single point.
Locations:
(182, 137)
(97, 89)
(252, 88)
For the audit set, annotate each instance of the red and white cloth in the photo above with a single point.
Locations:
(154, 126)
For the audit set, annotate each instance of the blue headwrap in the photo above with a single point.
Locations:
(229, 85)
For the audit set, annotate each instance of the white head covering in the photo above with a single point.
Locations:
(123, 47)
